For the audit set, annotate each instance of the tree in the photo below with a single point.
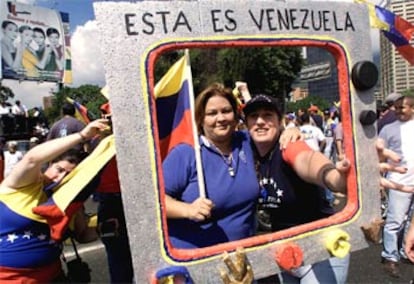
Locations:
(408, 92)
(269, 70)
(5, 93)
(88, 95)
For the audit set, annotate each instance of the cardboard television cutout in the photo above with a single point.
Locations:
(133, 35)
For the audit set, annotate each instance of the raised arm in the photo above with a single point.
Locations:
(28, 170)
(316, 168)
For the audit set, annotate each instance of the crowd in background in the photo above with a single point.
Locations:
(17, 121)
(322, 131)
(216, 116)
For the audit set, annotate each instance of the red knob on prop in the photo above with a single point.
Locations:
(289, 256)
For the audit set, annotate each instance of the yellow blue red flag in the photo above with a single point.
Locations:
(81, 111)
(396, 29)
(74, 189)
(174, 99)
(173, 94)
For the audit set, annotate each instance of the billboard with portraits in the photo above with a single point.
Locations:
(34, 42)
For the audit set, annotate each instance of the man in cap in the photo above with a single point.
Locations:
(316, 118)
(292, 182)
(389, 115)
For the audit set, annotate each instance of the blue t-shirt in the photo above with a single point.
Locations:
(234, 197)
(289, 200)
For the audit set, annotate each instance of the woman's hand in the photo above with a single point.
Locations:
(289, 135)
(200, 209)
(93, 128)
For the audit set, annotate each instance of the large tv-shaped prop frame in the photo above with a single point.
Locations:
(134, 35)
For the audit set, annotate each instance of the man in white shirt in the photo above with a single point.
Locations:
(20, 114)
(11, 157)
(398, 137)
(312, 135)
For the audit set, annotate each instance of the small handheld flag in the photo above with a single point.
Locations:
(81, 111)
(175, 113)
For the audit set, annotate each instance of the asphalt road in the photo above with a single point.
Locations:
(365, 266)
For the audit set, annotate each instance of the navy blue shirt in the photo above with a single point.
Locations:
(289, 200)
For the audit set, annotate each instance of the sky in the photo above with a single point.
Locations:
(87, 67)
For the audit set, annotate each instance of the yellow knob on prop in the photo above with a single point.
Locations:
(337, 243)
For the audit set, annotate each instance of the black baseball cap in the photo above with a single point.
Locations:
(261, 101)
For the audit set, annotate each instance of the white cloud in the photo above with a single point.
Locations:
(87, 67)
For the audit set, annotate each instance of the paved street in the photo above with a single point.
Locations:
(365, 266)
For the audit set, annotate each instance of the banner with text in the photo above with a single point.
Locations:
(33, 43)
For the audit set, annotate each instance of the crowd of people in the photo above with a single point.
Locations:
(16, 120)
(280, 178)
(31, 240)
(252, 155)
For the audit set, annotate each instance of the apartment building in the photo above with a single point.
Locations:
(397, 75)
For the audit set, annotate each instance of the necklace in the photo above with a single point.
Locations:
(228, 160)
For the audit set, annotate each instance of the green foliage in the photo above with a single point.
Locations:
(87, 95)
(164, 62)
(269, 70)
(204, 68)
(306, 103)
(408, 92)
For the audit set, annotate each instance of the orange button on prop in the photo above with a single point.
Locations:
(289, 256)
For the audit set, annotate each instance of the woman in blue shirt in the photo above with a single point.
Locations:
(227, 213)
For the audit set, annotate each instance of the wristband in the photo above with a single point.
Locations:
(323, 172)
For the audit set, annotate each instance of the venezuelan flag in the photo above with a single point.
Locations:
(81, 111)
(397, 30)
(174, 100)
(73, 190)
